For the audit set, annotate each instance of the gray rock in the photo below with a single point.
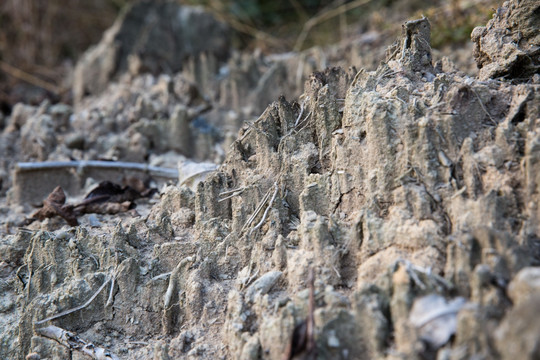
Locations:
(518, 336)
(435, 318)
(509, 46)
(525, 285)
(263, 284)
(75, 141)
(149, 37)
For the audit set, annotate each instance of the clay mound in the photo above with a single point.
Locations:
(385, 214)
(396, 184)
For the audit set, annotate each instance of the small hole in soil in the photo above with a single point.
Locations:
(316, 169)
(362, 136)
(520, 116)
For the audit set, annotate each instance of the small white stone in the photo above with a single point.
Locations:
(333, 341)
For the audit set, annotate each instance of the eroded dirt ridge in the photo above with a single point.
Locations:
(410, 191)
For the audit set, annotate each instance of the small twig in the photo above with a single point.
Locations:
(239, 192)
(323, 17)
(160, 276)
(143, 343)
(172, 289)
(110, 299)
(267, 209)
(483, 107)
(299, 115)
(231, 191)
(336, 271)
(436, 105)
(305, 120)
(397, 98)
(257, 210)
(244, 280)
(299, 9)
(67, 312)
(252, 126)
(190, 179)
(459, 192)
(294, 130)
(245, 28)
(248, 131)
(385, 74)
(414, 276)
(20, 277)
(252, 277)
(115, 273)
(30, 270)
(29, 78)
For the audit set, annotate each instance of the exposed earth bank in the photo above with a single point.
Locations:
(386, 214)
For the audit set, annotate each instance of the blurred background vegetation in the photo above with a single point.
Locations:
(41, 39)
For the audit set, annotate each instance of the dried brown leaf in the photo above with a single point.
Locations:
(54, 205)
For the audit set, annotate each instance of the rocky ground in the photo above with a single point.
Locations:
(375, 211)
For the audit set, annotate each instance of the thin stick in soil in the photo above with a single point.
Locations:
(67, 312)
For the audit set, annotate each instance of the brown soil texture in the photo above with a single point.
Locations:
(386, 213)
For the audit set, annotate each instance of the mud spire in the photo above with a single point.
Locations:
(413, 50)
